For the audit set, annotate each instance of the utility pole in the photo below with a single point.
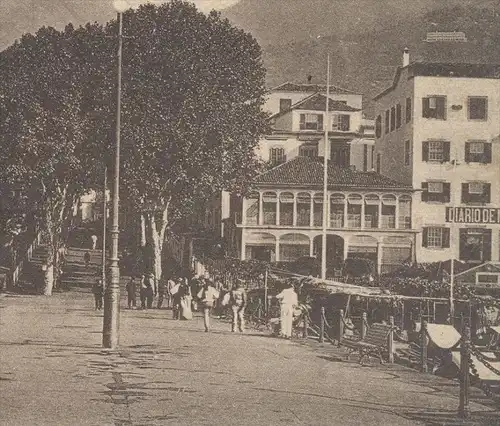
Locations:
(325, 172)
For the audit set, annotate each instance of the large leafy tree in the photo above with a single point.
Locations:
(193, 91)
(45, 126)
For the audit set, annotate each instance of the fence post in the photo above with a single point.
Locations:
(463, 408)
(423, 346)
(306, 325)
(341, 325)
(390, 342)
(322, 326)
(364, 324)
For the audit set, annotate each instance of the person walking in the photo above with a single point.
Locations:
(149, 291)
(170, 287)
(131, 293)
(238, 301)
(207, 295)
(288, 301)
(94, 241)
(142, 292)
(98, 290)
(86, 258)
(162, 292)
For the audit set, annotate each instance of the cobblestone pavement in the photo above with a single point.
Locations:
(53, 371)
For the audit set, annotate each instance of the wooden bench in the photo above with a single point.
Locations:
(374, 343)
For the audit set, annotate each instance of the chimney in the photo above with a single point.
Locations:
(309, 79)
(406, 57)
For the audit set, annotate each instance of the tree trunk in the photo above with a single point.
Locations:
(143, 231)
(155, 236)
(48, 280)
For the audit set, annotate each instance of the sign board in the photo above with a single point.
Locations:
(478, 215)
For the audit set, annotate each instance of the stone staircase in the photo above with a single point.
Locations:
(75, 274)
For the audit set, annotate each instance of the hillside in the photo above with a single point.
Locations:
(365, 38)
(365, 61)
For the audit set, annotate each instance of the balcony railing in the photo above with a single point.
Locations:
(304, 219)
(354, 221)
(336, 220)
(388, 221)
(370, 221)
(269, 218)
(318, 219)
(404, 222)
(286, 219)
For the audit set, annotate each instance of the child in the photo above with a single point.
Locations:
(131, 291)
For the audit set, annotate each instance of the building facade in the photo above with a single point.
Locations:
(437, 129)
(298, 120)
(368, 216)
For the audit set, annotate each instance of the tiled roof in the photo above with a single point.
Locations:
(305, 171)
(310, 88)
(441, 69)
(317, 102)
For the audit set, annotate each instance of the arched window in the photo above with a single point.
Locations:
(372, 203)
(318, 209)
(286, 209)
(303, 209)
(337, 202)
(252, 206)
(277, 155)
(354, 202)
(269, 200)
(389, 211)
(404, 211)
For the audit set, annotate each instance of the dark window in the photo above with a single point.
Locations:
(387, 121)
(436, 237)
(408, 110)
(378, 162)
(434, 107)
(277, 156)
(436, 191)
(365, 158)
(378, 126)
(393, 118)
(476, 193)
(398, 116)
(373, 156)
(285, 104)
(340, 154)
(477, 108)
(407, 153)
(311, 121)
(475, 245)
(341, 122)
(436, 151)
(308, 150)
(477, 152)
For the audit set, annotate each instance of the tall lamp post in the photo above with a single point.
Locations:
(111, 320)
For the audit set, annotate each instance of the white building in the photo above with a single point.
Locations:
(298, 120)
(437, 128)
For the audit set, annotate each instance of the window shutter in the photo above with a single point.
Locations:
(320, 121)
(425, 151)
(446, 151)
(425, 107)
(487, 153)
(446, 192)
(486, 245)
(487, 192)
(346, 122)
(424, 237)
(302, 121)
(465, 193)
(446, 238)
(463, 242)
(467, 152)
(425, 193)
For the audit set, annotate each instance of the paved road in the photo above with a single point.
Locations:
(54, 372)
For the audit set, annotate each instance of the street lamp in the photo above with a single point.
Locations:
(111, 319)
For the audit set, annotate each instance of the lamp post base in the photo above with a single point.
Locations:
(111, 322)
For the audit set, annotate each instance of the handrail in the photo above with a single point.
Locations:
(13, 275)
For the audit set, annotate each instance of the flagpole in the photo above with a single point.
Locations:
(325, 172)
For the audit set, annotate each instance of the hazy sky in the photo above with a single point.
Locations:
(203, 5)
